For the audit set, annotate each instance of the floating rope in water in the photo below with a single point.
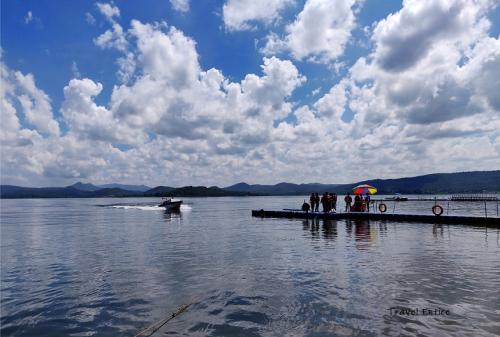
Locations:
(150, 330)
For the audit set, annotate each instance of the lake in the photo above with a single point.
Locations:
(110, 267)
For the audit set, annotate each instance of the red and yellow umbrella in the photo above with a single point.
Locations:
(364, 189)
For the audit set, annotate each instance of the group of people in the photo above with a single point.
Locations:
(327, 200)
(329, 203)
(360, 204)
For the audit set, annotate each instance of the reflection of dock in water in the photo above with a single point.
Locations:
(442, 219)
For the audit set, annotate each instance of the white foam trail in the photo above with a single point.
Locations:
(144, 208)
(186, 208)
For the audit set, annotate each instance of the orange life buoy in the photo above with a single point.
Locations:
(382, 207)
(437, 210)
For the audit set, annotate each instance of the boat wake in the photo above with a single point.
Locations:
(143, 208)
(184, 208)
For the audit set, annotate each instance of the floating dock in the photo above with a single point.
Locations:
(452, 198)
(493, 222)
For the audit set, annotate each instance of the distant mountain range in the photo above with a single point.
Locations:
(194, 191)
(90, 187)
(16, 192)
(282, 188)
(80, 190)
(439, 183)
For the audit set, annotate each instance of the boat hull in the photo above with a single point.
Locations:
(172, 206)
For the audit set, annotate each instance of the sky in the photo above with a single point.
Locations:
(186, 92)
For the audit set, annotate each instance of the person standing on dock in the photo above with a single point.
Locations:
(367, 202)
(317, 202)
(348, 201)
(332, 202)
(324, 202)
(358, 203)
(312, 201)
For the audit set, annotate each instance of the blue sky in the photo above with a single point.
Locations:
(60, 35)
(388, 84)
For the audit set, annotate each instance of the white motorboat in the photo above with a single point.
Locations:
(171, 205)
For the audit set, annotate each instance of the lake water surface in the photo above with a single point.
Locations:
(109, 267)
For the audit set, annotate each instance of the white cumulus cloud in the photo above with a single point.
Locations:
(319, 33)
(242, 14)
(180, 5)
(108, 10)
(408, 36)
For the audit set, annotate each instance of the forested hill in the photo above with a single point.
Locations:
(87, 191)
(441, 183)
(445, 183)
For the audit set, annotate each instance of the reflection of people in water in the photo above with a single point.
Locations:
(330, 229)
(362, 231)
(348, 227)
(435, 228)
(311, 225)
(305, 224)
(382, 228)
(315, 227)
(316, 223)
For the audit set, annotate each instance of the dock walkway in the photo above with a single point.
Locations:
(493, 222)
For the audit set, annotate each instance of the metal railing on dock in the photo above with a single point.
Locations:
(474, 197)
(486, 205)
